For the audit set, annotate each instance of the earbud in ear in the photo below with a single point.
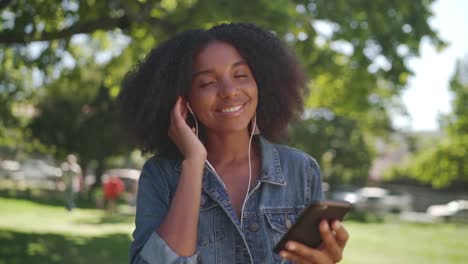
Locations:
(194, 118)
(190, 109)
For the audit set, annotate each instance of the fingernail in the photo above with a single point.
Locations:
(336, 225)
(283, 254)
(291, 246)
(324, 225)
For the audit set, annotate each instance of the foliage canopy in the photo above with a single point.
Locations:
(354, 53)
(446, 162)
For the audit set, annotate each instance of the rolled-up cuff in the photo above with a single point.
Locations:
(157, 251)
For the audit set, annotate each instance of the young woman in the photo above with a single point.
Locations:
(209, 104)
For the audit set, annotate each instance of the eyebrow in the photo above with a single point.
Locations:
(239, 63)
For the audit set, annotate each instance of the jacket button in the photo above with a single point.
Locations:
(288, 223)
(253, 227)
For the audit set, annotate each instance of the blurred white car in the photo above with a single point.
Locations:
(371, 200)
(10, 169)
(396, 202)
(32, 172)
(456, 211)
(375, 200)
(347, 194)
(36, 169)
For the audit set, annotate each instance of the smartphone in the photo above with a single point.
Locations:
(306, 228)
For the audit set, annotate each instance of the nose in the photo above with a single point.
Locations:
(227, 88)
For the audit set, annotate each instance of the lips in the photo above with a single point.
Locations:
(231, 108)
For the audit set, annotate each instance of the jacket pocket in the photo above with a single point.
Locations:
(210, 225)
(279, 221)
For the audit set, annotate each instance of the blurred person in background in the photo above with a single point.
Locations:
(209, 104)
(71, 173)
(113, 187)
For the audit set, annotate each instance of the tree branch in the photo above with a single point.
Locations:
(17, 37)
(4, 3)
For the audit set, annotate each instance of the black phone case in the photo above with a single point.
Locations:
(305, 230)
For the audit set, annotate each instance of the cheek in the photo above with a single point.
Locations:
(249, 86)
(201, 103)
(254, 93)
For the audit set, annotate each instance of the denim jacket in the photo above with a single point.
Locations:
(289, 181)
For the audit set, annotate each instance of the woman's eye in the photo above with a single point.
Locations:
(241, 76)
(206, 84)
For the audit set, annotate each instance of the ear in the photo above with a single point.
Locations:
(189, 108)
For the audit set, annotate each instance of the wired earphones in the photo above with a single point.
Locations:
(254, 127)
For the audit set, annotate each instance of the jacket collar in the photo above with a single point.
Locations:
(271, 167)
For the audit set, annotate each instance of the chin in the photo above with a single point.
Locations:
(233, 127)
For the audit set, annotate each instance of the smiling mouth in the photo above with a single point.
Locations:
(231, 109)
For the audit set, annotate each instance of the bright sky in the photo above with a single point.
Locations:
(427, 93)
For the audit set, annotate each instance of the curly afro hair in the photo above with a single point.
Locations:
(150, 90)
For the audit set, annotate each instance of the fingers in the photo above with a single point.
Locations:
(300, 253)
(180, 108)
(177, 121)
(294, 257)
(334, 238)
(341, 234)
(179, 112)
(183, 107)
(330, 244)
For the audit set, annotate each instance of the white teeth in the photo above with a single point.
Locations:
(232, 109)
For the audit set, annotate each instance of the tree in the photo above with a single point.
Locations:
(16, 87)
(337, 143)
(458, 124)
(80, 117)
(354, 51)
(445, 163)
(365, 43)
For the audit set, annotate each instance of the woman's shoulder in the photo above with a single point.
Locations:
(292, 151)
(299, 169)
(160, 169)
(291, 154)
(158, 162)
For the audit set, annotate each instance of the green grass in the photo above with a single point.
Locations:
(406, 243)
(28, 216)
(38, 233)
(22, 247)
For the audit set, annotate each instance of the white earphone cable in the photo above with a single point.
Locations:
(250, 180)
(250, 166)
(206, 161)
(194, 118)
(250, 171)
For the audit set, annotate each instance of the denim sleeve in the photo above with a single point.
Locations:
(316, 191)
(152, 205)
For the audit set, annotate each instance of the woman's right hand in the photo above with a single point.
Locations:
(183, 135)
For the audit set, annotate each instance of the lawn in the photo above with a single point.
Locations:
(398, 243)
(38, 233)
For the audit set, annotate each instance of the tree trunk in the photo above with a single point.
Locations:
(98, 173)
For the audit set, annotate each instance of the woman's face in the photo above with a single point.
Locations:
(223, 92)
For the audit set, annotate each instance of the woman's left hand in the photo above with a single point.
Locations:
(330, 251)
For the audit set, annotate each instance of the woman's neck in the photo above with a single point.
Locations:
(229, 148)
